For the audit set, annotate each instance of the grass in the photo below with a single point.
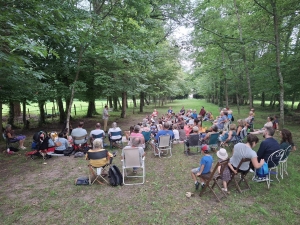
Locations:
(33, 193)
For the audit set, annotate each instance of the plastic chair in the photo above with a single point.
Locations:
(163, 145)
(283, 162)
(132, 159)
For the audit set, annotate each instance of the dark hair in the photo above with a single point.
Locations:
(271, 118)
(131, 128)
(214, 128)
(270, 131)
(225, 113)
(286, 136)
(61, 135)
(252, 138)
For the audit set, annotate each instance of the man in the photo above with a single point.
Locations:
(136, 142)
(105, 118)
(79, 132)
(97, 132)
(194, 114)
(170, 111)
(164, 131)
(268, 146)
(221, 121)
(202, 112)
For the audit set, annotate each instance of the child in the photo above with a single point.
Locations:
(225, 176)
(205, 168)
(176, 134)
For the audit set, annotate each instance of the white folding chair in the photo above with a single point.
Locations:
(164, 146)
(283, 162)
(273, 158)
(132, 159)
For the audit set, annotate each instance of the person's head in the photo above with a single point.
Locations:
(131, 128)
(222, 113)
(214, 128)
(8, 127)
(106, 106)
(181, 126)
(154, 110)
(286, 136)
(175, 127)
(252, 140)
(232, 126)
(135, 142)
(61, 135)
(98, 125)
(81, 123)
(170, 107)
(240, 123)
(114, 125)
(166, 125)
(222, 154)
(137, 129)
(195, 129)
(225, 113)
(252, 109)
(270, 118)
(202, 107)
(269, 132)
(97, 143)
(205, 149)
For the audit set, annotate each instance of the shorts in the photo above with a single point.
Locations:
(195, 170)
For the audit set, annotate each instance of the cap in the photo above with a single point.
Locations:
(222, 154)
(205, 148)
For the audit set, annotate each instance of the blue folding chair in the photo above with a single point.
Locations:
(147, 137)
(98, 136)
(112, 134)
(214, 141)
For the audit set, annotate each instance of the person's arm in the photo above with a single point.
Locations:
(229, 136)
(231, 168)
(66, 143)
(257, 164)
(201, 170)
(8, 135)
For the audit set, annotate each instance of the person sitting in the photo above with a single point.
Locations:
(182, 111)
(10, 135)
(78, 133)
(170, 111)
(114, 128)
(268, 124)
(136, 133)
(128, 132)
(204, 170)
(182, 134)
(250, 118)
(240, 123)
(165, 131)
(226, 136)
(97, 132)
(212, 130)
(286, 141)
(241, 151)
(176, 132)
(207, 116)
(194, 114)
(268, 146)
(221, 120)
(61, 144)
(195, 132)
(154, 114)
(135, 143)
(97, 147)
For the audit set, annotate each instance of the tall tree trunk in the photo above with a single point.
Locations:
(263, 104)
(142, 96)
(62, 114)
(134, 101)
(1, 118)
(11, 114)
(244, 55)
(91, 109)
(119, 103)
(293, 100)
(115, 101)
(124, 100)
(42, 119)
(25, 122)
(225, 81)
(17, 109)
(110, 102)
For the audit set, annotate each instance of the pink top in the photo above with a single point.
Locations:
(187, 130)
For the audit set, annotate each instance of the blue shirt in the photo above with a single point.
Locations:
(207, 161)
(64, 144)
(164, 132)
(221, 122)
(194, 115)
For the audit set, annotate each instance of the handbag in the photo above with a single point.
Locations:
(263, 171)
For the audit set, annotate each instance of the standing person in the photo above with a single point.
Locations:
(202, 112)
(203, 171)
(105, 118)
(154, 114)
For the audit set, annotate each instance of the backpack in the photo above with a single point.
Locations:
(68, 151)
(263, 171)
(115, 176)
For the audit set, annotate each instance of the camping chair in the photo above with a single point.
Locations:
(243, 134)
(272, 159)
(234, 140)
(164, 144)
(226, 126)
(194, 141)
(132, 159)
(97, 171)
(283, 162)
(117, 133)
(10, 142)
(147, 137)
(79, 146)
(214, 141)
(213, 180)
(242, 177)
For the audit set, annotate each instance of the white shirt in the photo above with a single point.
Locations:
(116, 137)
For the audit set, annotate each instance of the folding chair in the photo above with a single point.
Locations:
(226, 126)
(132, 159)
(242, 177)
(97, 171)
(213, 180)
(234, 140)
(117, 133)
(243, 134)
(283, 162)
(10, 142)
(163, 145)
(79, 146)
(194, 141)
(274, 159)
(214, 141)
(147, 137)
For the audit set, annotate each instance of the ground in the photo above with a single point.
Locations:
(33, 192)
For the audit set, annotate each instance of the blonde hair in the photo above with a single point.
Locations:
(232, 126)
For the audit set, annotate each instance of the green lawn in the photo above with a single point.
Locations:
(34, 193)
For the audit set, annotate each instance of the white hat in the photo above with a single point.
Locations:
(222, 154)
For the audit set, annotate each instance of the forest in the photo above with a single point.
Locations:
(61, 50)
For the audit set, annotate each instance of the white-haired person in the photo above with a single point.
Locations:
(115, 133)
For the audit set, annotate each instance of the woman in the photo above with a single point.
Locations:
(286, 141)
(269, 123)
(225, 137)
(241, 151)
(240, 123)
(136, 133)
(9, 133)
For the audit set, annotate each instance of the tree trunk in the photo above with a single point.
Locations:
(293, 100)
(115, 101)
(146, 100)
(62, 114)
(134, 101)
(91, 109)
(25, 122)
(244, 56)
(17, 109)
(119, 103)
(110, 102)
(238, 102)
(124, 100)
(11, 114)
(42, 119)
(298, 107)
(263, 104)
(142, 96)
(1, 118)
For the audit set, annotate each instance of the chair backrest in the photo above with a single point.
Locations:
(193, 140)
(79, 138)
(243, 133)
(97, 155)
(132, 157)
(243, 160)
(147, 135)
(223, 165)
(164, 141)
(116, 133)
(286, 152)
(213, 139)
(97, 136)
(275, 157)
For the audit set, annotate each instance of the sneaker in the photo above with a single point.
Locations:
(197, 185)
(23, 147)
(260, 179)
(202, 186)
(251, 171)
